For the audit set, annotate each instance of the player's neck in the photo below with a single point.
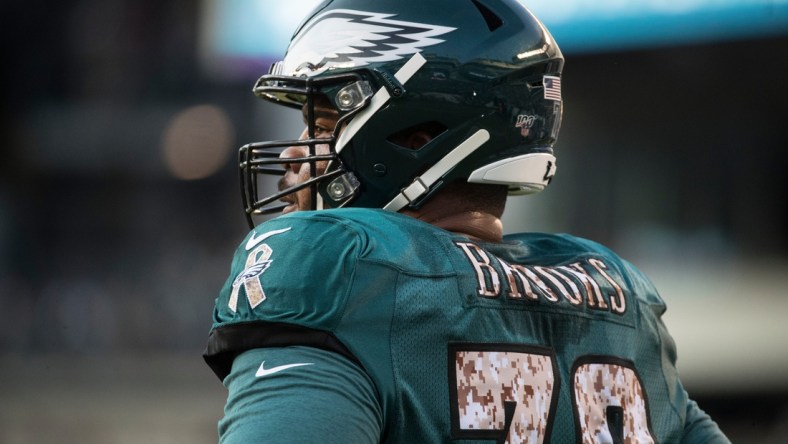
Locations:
(476, 225)
(471, 210)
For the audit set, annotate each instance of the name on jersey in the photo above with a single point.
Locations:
(585, 282)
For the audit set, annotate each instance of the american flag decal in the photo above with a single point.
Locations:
(552, 88)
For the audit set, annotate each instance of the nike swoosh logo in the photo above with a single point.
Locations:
(262, 371)
(253, 241)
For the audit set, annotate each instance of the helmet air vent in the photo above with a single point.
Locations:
(493, 21)
(409, 137)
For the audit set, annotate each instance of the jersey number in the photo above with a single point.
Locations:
(506, 393)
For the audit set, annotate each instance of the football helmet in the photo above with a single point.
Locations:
(485, 75)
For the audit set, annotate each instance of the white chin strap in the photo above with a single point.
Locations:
(422, 184)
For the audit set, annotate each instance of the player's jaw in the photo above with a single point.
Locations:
(299, 200)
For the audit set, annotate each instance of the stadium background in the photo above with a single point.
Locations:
(119, 208)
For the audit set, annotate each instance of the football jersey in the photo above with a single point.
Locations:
(435, 337)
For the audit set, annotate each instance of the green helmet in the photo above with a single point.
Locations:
(484, 75)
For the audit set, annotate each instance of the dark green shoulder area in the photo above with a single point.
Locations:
(384, 237)
(302, 267)
(542, 246)
(552, 249)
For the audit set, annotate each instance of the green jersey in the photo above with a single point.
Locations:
(360, 325)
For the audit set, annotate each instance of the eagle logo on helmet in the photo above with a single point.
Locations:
(346, 38)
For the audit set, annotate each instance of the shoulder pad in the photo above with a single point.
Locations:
(291, 269)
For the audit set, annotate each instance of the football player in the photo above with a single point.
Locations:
(399, 312)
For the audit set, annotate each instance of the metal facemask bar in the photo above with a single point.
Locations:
(263, 158)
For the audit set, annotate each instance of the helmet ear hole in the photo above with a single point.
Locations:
(417, 136)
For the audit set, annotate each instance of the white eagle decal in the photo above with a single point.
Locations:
(346, 38)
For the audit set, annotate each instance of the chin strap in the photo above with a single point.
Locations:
(422, 184)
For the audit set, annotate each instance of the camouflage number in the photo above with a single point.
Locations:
(505, 393)
(610, 404)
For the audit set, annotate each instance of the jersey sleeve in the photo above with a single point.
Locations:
(299, 394)
(700, 428)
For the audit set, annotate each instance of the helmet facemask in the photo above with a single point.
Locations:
(349, 94)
